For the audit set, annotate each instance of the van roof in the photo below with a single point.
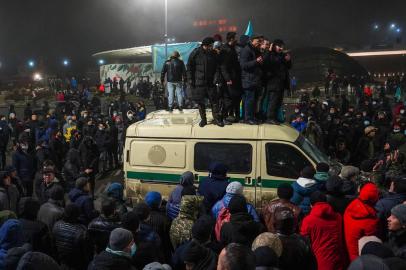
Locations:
(163, 124)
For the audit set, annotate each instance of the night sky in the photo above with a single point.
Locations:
(51, 30)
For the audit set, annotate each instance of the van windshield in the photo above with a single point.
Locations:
(310, 149)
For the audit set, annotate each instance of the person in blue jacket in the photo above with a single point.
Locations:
(303, 187)
(232, 189)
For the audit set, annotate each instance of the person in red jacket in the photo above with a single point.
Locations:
(360, 218)
(324, 228)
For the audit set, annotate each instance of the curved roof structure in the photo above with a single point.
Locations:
(310, 64)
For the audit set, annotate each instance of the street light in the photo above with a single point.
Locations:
(398, 30)
(37, 77)
(65, 62)
(166, 29)
(31, 64)
(376, 26)
(392, 26)
(101, 62)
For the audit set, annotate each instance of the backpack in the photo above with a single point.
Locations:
(223, 217)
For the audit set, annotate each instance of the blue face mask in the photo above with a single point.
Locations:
(133, 250)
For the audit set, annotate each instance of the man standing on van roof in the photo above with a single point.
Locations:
(201, 69)
(213, 187)
(175, 71)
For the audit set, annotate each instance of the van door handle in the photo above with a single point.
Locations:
(128, 156)
(248, 181)
(259, 181)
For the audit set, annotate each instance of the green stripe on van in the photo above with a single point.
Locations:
(174, 178)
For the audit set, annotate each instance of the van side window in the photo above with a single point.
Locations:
(283, 160)
(236, 156)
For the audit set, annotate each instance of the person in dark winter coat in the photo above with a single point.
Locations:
(118, 254)
(201, 233)
(52, 211)
(285, 194)
(303, 188)
(15, 180)
(158, 221)
(9, 195)
(24, 164)
(324, 228)
(294, 245)
(100, 228)
(242, 228)
(35, 232)
(11, 236)
(335, 196)
(71, 240)
(57, 146)
(146, 232)
(251, 72)
(80, 197)
(396, 195)
(89, 157)
(397, 231)
(115, 192)
(72, 168)
(276, 65)
(103, 142)
(37, 260)
(198, 257)
(231, 71)
(175, 72)
(213, 188)
(173, 204)
(360, 218)
(201, 69)
(49, 182)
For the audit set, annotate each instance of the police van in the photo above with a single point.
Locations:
(164, 145)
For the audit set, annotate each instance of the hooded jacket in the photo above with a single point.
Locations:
(11, 236)
(268, 212)
(213, 187)
(324, 228)
(181, 228)
(85, 203)
(360, 218)
(172, 207)
(303, 188)
(50, 212)
(224, 203)
(71, 168)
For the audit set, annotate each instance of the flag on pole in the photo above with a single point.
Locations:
(250, 31)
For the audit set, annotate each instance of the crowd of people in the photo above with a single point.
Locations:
(356, 219)
(253, 70)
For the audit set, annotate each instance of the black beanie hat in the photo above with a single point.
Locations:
(203, 228)
(322, 167)
(237, 204)
(278, 42)
(334, 184)
(308, 172)
(265, 256)
(207, 41)
(285, 191)
(377, 249)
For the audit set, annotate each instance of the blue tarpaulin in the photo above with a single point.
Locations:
(158, 53)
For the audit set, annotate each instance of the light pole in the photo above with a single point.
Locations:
(166, 30)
